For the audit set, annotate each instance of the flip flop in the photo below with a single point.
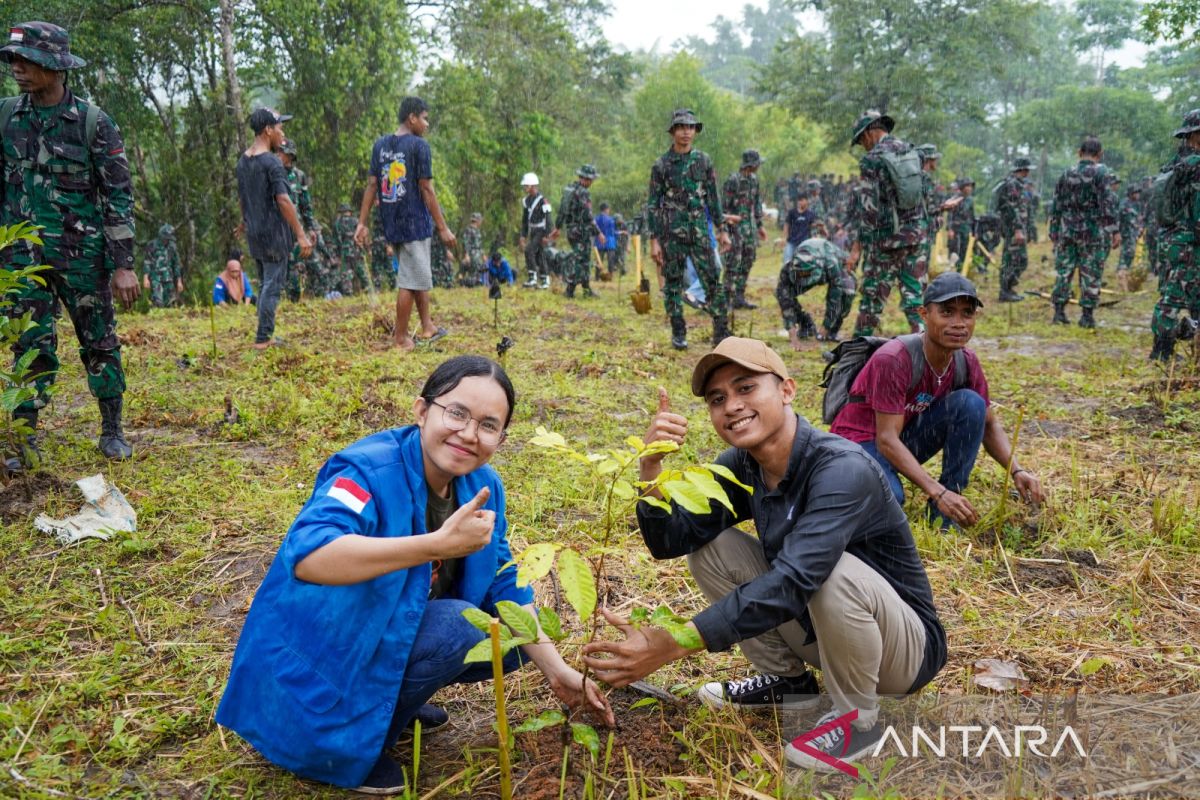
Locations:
(438, 334)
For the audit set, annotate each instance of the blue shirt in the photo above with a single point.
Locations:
(398, 163)
(608, 227)
(220, 294)
(500, 270)
(318, 668)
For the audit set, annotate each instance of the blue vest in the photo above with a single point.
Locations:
(318, 669)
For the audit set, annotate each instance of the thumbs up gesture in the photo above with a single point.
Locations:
(665, 427)
(469, 528)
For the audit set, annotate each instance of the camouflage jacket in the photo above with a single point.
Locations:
(962, 216)
(298, 189)
(1129, 213)
(343, 235)
(817, 256)
(741, 197)
(79, 192)
(1084, 207)
(161, 261)
(1012, 206)
(873, 216)
(575, 213)
(683, 196)
(472, 242)
(1183, 191)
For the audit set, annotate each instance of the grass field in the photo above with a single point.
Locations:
(113, 654)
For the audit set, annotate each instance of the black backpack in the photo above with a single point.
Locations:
(850, 356)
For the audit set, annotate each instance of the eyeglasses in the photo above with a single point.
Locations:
(456, 418)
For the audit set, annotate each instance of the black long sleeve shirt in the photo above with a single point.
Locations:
(833, 499)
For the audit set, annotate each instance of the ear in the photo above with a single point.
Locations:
(788, 390)
(420, 411)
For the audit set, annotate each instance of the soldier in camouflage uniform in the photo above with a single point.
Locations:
(815, 261)
(474, 264)
(1129, 216)
(382, 274)
(320, 268)
(962, 222)
(1083, 221)
(441, 264)
(162, 272)
(683, 199)
(1033, 201)
(816, 202)
(622, 241)
(575, 217)
(298, 192)
(741, 199)
(1012, 206)
(348, 252)
(63, 168)
(1178, 221)
(888, 237)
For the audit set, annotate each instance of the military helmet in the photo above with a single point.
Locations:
(529, 179)
(1021, 162)
(963, 180)
(166, 232)
(751, 158)
(344, 207)
(42, 43)
(1191, 123)
(288, 147)
(928, 152)
(684, 116)
(587, 171)
(868, 119)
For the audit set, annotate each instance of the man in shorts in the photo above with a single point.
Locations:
(401, 176)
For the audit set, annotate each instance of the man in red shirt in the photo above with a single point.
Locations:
(903, 427)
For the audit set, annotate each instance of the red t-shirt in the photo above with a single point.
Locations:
(883, 383)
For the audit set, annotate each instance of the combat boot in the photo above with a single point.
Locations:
(720, 330)
(112, 439)
(679, 333)
(1060, 315)
(28, 455)
(569, 291)
(740, 302)
(532, 282)
(808, 328)
(1164, 349)
(1086, 320)
(1187, 329)
(545, 282)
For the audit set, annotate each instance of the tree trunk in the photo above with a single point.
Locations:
(233, 92)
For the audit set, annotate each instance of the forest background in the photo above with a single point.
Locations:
(520, 85)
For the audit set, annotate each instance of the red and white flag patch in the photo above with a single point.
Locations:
(16, 35)
(350, 494)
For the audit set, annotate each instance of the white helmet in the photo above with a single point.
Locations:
(530, 179)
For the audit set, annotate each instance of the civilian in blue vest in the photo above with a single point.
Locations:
(359, 622)
(607, 243)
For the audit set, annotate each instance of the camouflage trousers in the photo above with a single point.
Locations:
(536, 259)
(676, 252)
(353, 271)
(578, 265)
(381, 266)
(1179, 290)
(295, 273)
(882, 268)
(1085, 258)
(1152, 254)
(441, 266)
(738, 262)
(1013, 263)
(1128, 251)
(162, 291)
(87, 295)
(797, 277)
(958, 247)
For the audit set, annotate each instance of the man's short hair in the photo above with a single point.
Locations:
(411, 105)
(1090, 146)
(604, 206)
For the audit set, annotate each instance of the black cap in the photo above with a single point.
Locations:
(261, 118)
(947, 286)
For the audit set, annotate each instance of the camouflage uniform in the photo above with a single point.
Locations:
(382, 274)
(1012, 206)
(476, 263)
(1032, 201)
(622, 241)
(815, 261)
(1130, 218)
(348, 252)
(891, 238)
(741, 197)
(298, 192)
(442, 266)
(1180, 287)
(161, 264)
(683, 198)
(961, 223)
(320, 275)
(575, 219)
(1082, 222)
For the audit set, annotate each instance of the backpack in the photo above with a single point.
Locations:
(850, 356)
(1168, 205)
(91, 120)
(904, 171)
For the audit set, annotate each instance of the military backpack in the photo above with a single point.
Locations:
(907, 177)
(1168, 200)
(91, 122)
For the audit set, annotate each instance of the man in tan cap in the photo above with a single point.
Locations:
(833, 578)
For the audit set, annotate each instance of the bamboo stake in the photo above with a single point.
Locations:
(501, 712)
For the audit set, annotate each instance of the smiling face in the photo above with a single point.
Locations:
(950, 324)
(748, 409)
(447, 453)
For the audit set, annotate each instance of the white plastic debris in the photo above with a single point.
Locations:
(106, 510)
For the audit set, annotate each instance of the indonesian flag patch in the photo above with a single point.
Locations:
(350, 494)
(16, 35)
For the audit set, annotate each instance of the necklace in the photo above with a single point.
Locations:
(942, 375)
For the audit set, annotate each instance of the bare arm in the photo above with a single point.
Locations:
(435, 211)
(887, 440)
(995, 441)
(360, 231)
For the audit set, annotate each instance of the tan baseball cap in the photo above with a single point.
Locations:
(750, 353)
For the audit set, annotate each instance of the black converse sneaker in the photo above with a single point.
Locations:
(842, 742)
(764, 691)
(386, 778)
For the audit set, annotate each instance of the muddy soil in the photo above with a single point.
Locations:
(26, 496)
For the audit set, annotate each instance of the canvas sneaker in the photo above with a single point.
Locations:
(764, 691)
(385, 778)
(844, 743)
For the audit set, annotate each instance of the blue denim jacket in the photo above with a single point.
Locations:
(318, 668)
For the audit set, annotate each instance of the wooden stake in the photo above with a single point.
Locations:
(501, 712)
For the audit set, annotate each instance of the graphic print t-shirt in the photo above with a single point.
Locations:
(883, 383)
(398, 162)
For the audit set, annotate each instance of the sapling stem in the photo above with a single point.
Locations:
(1012, 457)
(501, 712)
(212, 324)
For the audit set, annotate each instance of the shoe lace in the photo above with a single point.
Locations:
(830, 740)
(751, 684)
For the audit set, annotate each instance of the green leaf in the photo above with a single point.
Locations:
(684, 635)
(520, 621)
(624, 489)
(480, 619)
(535, 562)
(546, 719)
(545, 438)
(639, 616)
(651, 500)
(551, 624)
(635, 443)
(1092, 666)
(687, 496)
(661, 446)
(703, 480)
(607, 466)
(645, 701)
(481, 652)
(578, 582)
(727, 474)
(586, 735)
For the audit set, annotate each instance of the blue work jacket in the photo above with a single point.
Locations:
(318, 669)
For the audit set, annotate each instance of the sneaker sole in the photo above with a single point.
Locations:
(381, 791)
(798, 758)
(713, 696)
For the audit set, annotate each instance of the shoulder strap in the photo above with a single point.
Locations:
(6, 111)
(90, 123)
(960, 369)
(913, 343)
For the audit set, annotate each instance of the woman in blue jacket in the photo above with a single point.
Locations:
(358, 622)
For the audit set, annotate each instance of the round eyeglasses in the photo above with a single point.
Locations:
(456, 418)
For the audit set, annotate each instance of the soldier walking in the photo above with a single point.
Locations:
(886, 222)
(162, 272)
(1177, 219)
(64, 169)
(1129, 217)
(535, 229)
(1082, 223)
(1012, 207)
(575, 217)
(744, 221)
(683, 200)
(961, 222)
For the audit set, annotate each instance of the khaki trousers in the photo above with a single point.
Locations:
(869, 641)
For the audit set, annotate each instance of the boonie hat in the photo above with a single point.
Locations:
(44, 44)
(947, 286)
(684, 116)
(166, 231)
(751, 158)
(1021, 162)
(750, 353)
(260, 118)
(1191, 123)
(288, 147)
(928, 151)
(868, 119)
(587, 171)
